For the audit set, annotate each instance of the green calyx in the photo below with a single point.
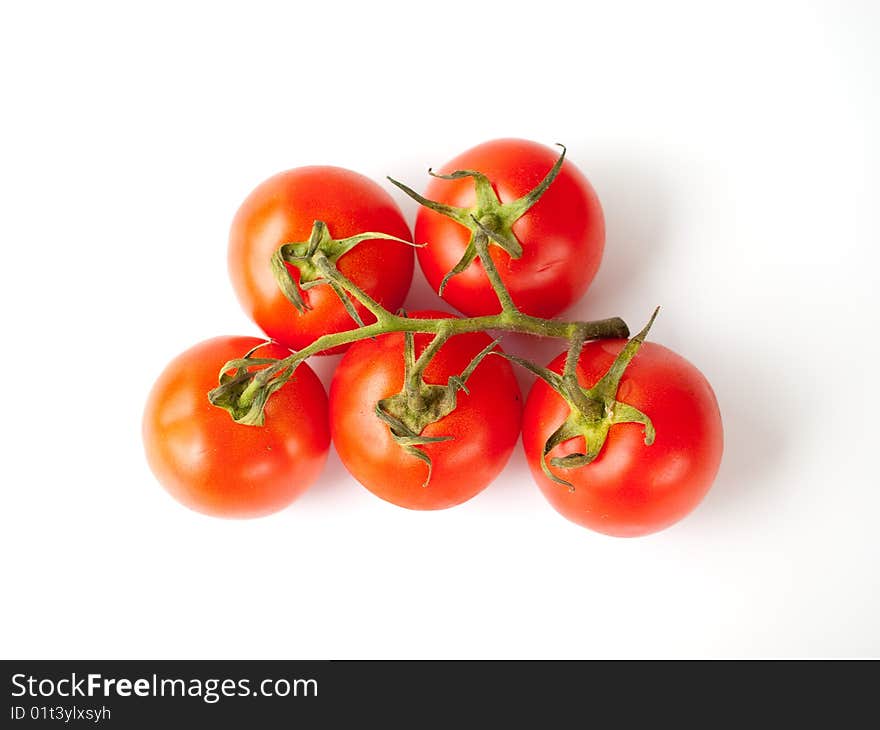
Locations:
(316, 261)
(244, 391)
(489, 217)
(419, 404)
(592, 411)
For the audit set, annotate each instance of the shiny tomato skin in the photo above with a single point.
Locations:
(218, 467)
(562, 235)
(632, 489)
(283, 210)
(484, 425)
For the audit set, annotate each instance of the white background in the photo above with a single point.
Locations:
(735, 151)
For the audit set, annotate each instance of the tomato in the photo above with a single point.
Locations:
(631, 488)
(219, 467)
(484, 426)
(283, 210)
(562, 235)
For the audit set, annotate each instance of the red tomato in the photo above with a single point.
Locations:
(632, 489)
(214, 465)
(484, 425)
(283, 210)
(562, 235)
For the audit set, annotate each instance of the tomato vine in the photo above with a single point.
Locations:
(244, 389)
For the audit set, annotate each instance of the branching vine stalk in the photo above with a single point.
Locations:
(247, 383)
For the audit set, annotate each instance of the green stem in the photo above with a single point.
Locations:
(481, 244)
(331, 273)
(613, 327)
(576, 345)
(428, 353)
(251, 396)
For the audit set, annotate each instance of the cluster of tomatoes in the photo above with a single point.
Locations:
(217, 466)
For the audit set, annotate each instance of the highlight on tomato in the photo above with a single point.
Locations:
(284, 210)
(414, 461)
(216, 466)
(657, 439)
